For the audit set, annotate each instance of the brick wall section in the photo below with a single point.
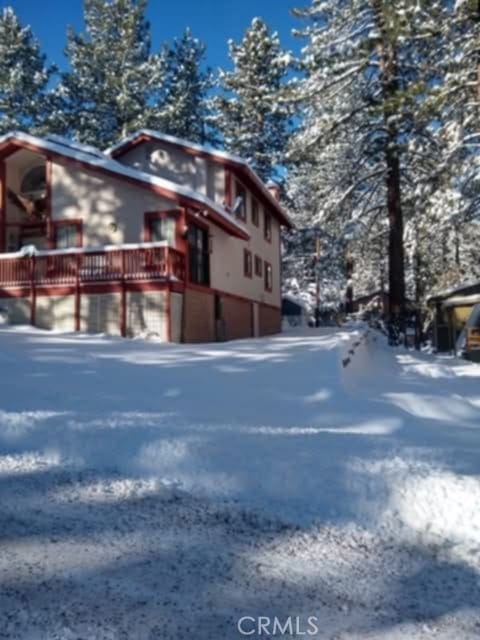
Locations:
(199, 320)
(237, 315)
(270, 320)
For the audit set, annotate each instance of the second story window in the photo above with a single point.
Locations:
(255, 213)
(68, 235)
(247, 263)
(258, 266)
(198, 255)
(161, 229)
(267, 227)
(268, 277)
(240, 203)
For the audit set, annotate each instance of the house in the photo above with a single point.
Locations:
(155, 235)
(456, 322)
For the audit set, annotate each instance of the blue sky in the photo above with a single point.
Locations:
(213, 21)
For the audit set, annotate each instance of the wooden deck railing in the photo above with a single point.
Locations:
(473, 339)
(54, 268)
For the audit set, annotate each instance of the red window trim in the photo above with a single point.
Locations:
(256, 220)
(267, 216)
(169, 213)
(247, 263)
(268, 269)
(258, 266)
(76, 222)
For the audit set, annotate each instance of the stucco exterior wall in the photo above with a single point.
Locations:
(168, 162)
(176, 165)
(100, 313)
(102, 202)
(55, 312)
(227, 264)
(18, 310)
(147, 313)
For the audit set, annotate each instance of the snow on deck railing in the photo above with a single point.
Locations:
(145, 261)
(30, 250)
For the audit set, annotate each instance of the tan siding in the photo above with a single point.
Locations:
(102, 203)
(237, 315)
(176, 316)
(256, 319)
(199, 320)
(270, 320)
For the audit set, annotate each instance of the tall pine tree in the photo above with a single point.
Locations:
(24, 77)
(252, 117)
(370, 66)
(183, 108)
(113, 77)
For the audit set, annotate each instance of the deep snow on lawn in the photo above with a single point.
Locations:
(160, 491)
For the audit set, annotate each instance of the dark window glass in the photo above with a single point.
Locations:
(241, 196)
(268, 276)
(198, 255)
(66, 236)
(267, 229)
(162, 230)
(34, 182)
(258, 266)
(255, 216)
(247, 263)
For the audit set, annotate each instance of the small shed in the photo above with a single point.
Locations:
(293, 311)
(456, 322)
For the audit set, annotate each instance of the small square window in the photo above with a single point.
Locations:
(67, 236)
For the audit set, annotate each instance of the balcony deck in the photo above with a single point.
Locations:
(82, 266)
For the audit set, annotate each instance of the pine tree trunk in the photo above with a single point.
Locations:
(396, 272)
(390, 88)
(478, 62)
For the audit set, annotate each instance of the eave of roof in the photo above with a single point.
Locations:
(104, 164)
(464, 289)
(216, 155)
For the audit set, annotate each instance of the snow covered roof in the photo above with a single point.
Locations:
(234, 159)
(97, 160)
(73, 144)
(456, 301)
(467, 288)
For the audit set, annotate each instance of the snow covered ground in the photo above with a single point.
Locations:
(151, 491)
